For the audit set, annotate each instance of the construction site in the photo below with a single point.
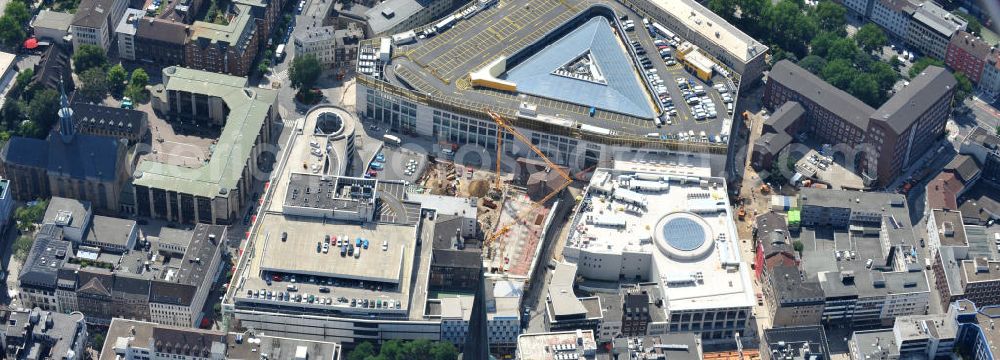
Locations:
(515, 206)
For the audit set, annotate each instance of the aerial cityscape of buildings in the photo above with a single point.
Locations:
(499, 179)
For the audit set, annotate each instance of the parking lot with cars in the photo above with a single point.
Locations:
(684, 97)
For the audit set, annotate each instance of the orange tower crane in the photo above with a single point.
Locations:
(503, 126)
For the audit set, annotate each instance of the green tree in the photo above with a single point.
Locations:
(28, 128)
(21, 83)
(871, 37)
(93, 84)
(798, 246)
(813, 63)
(864, 87)
(822, 42)
(443, 350)
(843, 48)
(790, 28)
(975, 26)
(922, 63)
(363, 351)
(88, 57)
(27, 216)
(724, 8)
(304, 72)
(18, 11)
(22, 246)
(43, 109)
(884, 75)
(964, 88)
(116, 79)
(830, 16)
(11, 32)
(838, 73)
(98, 340)
(392, 349)
(11, 114)
(139, 78)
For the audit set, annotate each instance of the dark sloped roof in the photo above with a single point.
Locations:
(87, 156)
(457, 258)
(913, 100)
(93, 13)
(55, 65)
(130, 285)
(786, 114)
(772, 143)
(26, 152)
(820, 92)
(94, 281)
(199, 342)
(163, 30)
(965, 167)
(98, 116)
(171, 293)
(44, 261)
(978, 48)
(790, 285)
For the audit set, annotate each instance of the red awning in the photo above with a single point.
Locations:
(31, 43)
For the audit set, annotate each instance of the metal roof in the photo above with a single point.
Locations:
(619, 91)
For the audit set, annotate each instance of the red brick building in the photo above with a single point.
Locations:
(967, 54)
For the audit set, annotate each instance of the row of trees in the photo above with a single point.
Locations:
(97, 78)
(845, 64)
(405, 350)
(817, 39)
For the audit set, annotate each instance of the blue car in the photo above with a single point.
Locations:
(364, 244)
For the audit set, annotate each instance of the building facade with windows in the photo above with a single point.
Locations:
(94, 22)
(886, 140)
(931, 29)
(968, 54)
(161, 283)
(893, 16)
(334, 48)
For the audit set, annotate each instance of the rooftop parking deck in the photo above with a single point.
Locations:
(439, 67)
(302, 252)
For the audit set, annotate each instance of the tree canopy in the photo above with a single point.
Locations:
(830, 16)
(304, 72)
(964, 88)
(27, 216)
(116, 78)
(88, 57)
(921, 64)
(93, 84)
(43, 109)
(405, 350)
(871, 37)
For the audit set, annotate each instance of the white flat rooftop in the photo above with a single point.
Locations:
(685, 225)
(696, 17)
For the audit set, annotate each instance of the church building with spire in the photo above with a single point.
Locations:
(68, 163)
